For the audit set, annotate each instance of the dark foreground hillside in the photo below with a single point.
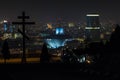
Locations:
(58, 72)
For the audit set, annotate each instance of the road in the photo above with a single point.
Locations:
(28, 60)
(18, 60)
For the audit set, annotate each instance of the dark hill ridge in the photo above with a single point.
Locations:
(58, 71)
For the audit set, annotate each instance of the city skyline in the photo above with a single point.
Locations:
(68, 10)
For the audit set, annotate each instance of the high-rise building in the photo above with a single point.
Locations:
(5, 25)
(92, 30)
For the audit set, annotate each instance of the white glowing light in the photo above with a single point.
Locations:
(5, 21)
(92, 15)
(92, 27)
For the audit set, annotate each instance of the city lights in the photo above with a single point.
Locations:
(67, 39)
(92, 15)
(55, 43)
(92, 27)
(71, 38)
(5, 21)
(59, 31)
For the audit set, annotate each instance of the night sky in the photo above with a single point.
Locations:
(68, 10)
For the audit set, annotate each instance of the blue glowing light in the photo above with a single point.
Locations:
(55, 43)
(59, 31)
(11, 28)
(5, 27)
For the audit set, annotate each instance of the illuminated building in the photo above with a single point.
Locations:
(92, 30)
(55, 43)
(59, 31)
(56, 40)
(49, 26)
(71, 24)
(11, 28)
(5, 25)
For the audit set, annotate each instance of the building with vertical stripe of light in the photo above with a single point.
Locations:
(92, 29)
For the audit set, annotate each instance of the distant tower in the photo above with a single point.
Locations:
(92, 30)
(5, 25)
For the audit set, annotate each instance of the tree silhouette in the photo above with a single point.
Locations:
(115, 38)
(45, 56)
(5, 51)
